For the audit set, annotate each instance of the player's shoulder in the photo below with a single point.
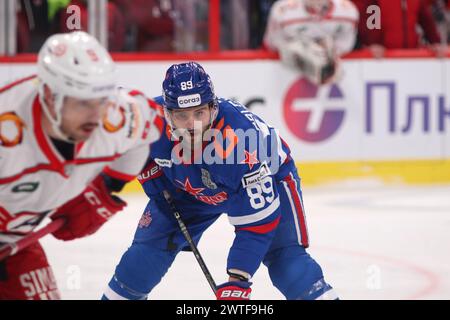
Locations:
(233, 115)
(18, 101)
(345, 9)
(163, 146)
(145, 103)
(131, 116)
(16, 96)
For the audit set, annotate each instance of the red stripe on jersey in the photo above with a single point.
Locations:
(153, 105)
(159, 124)
(15, 83)
(134, 93)
(34, 169)
(92, 160)
(299, 210)
(118, 175)
(265, 228)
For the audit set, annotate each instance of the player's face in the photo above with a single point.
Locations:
(81, 117)
(192, 118)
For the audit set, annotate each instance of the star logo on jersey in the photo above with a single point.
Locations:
(250, 159)
(186, 186)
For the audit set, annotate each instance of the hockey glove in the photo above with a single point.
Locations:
(234, 290)
(87, 212)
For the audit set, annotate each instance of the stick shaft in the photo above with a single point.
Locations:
(191, 243)
(10, 249)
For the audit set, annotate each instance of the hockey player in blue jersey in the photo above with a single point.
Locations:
(217, 157)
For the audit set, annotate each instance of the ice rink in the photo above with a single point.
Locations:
(373, 242)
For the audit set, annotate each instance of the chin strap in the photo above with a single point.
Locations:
(55, 123)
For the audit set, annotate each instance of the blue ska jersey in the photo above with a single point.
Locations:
(236, 172)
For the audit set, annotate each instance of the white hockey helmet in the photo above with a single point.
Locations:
(76, 65)
(318, 6)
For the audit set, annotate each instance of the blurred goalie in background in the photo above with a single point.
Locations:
(311, 35)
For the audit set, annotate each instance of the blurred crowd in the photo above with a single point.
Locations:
(182, 25)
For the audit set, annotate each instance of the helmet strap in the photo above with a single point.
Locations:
(214, 108)
(55, 123)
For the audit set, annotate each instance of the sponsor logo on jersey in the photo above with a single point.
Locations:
(152, 171)
(192, 100)
(11, 129)
(207, 181)
(213, 200)
(164, 162)
(256, 177)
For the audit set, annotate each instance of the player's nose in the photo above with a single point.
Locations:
(190, 122)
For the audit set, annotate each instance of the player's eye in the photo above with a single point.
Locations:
(199, 114)
(181, 116)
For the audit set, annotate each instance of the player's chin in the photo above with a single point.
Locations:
(82, 135)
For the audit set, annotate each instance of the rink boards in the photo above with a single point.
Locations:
(387, 120)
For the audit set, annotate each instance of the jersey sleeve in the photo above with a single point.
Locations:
(153, 180)
(254, 205)
(143, 126)
(255, 215)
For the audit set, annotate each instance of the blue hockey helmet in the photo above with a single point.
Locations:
(187, 85)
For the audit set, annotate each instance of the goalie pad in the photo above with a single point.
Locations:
(313, 59)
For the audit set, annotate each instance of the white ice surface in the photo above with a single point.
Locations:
(373, 242)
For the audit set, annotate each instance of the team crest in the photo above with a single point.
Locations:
(11, 129)
(145, 220)
(207, 181)
(114, 119)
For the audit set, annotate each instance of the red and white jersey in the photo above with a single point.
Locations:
(290, 20)
(35, 178)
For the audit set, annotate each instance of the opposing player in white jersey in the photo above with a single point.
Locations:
(311, 35)
(68, 139)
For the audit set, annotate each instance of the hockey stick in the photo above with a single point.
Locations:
(191, 243)
(10, 249)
